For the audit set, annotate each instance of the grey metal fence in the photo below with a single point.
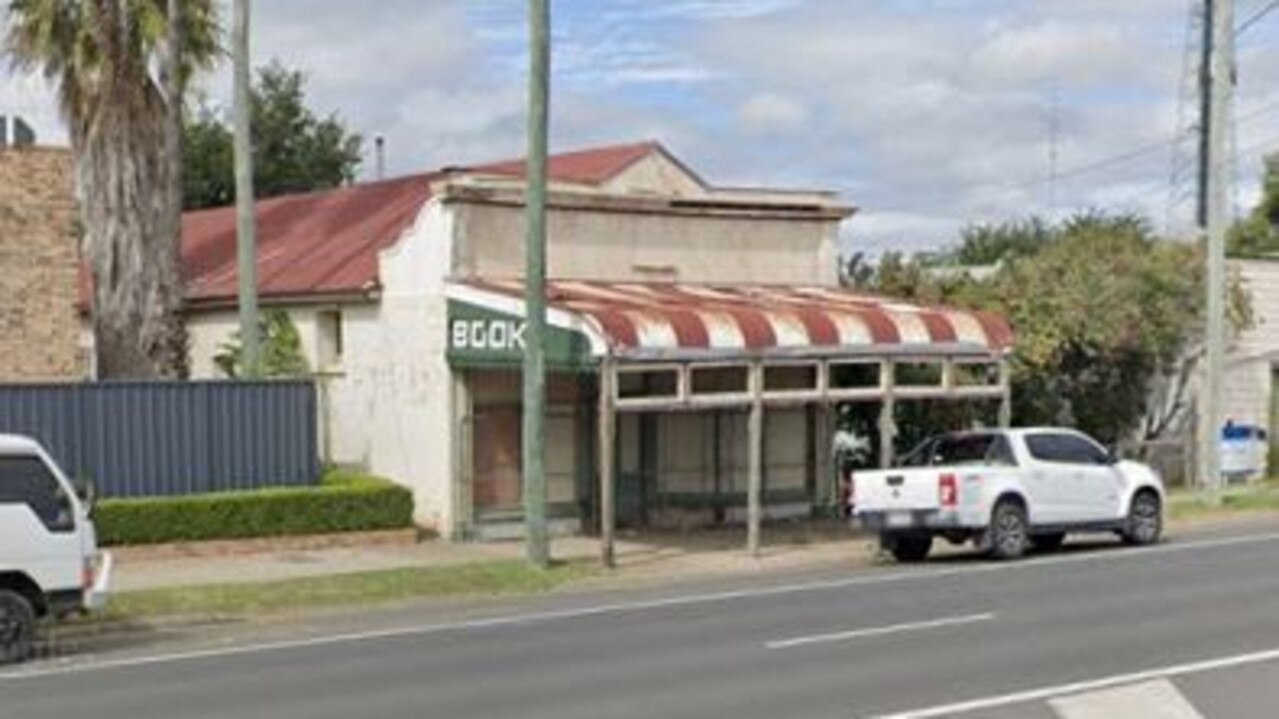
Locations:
(137, 439)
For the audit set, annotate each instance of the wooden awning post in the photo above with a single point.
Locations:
(607, 448)
(887, 422)
(755, 488)
(1006, 394)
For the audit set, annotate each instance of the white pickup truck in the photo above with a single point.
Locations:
(1009, 491)
(50, 566)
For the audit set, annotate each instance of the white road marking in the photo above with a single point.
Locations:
(1047, 693)
(645, 605)
(878, 631)
(1149, 700)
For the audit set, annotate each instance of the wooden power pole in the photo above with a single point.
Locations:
(1217, 216)
(534, 435)
(246, 242)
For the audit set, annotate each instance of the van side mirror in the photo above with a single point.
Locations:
(87, 492)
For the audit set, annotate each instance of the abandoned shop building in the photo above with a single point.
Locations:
(677, 311)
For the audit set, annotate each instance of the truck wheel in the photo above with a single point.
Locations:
(1047, 542)
(1145, 519)
(1008, 534)
(17, 627)
(908, 548)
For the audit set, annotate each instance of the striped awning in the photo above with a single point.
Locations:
(672, 319)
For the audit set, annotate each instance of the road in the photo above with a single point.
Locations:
(1190, 628)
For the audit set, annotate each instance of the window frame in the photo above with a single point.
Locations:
(66, 522)
(1099, 456)
(331, 342)
(996, 444)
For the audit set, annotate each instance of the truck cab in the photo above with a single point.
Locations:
(50, 566)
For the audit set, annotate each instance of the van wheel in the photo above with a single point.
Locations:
(17, 627)
(1047, 542)
(908, 548)
(1009, 531)
(1145, 519)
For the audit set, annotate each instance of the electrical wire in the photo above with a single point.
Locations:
(1000, 191)
(1256, 17)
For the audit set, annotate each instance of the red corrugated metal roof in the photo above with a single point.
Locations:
(634, 317)
(327, 242)
(317, 243)
(592, 167)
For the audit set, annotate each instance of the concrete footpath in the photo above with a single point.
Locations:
(648, 556)
(656, 555)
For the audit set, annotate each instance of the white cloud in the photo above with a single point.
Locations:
(927, 114)
(768, 112)
(950, 110)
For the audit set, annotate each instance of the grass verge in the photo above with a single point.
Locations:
(363, 588)
(1258, 497)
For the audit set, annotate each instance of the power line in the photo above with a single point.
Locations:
(1257, 17)
(1000, 190)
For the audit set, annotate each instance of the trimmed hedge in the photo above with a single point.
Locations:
(343, 502)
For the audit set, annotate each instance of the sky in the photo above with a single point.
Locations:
(927, 115)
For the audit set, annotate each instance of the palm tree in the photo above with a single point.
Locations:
(118, 67)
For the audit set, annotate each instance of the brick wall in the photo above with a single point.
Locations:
(39, 324)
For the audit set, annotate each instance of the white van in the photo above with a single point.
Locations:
(50, 566)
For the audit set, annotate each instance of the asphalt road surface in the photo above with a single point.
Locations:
(1188, 629)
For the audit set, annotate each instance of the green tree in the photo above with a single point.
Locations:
(1100, 315)
(118, 70)
(1107, 318)
(294, 150)
(208, 161)
(281, 345)
(1257, 235)
(987, 244)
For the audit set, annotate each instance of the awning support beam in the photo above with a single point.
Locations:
(755, 399)
(1006, 394)
(754, 507)
(607, 447)
(887, 422)
(684, 398)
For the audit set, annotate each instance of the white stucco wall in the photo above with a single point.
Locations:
(633, 246)
(209, 330)
(1256, 349)
(655, 174)
(389, 399)
(394, 403)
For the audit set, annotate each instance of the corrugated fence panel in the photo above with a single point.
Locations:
(138, 439)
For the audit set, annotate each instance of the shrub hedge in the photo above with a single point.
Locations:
(343, 502)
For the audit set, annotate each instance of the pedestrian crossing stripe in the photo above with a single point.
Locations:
(1157, 699)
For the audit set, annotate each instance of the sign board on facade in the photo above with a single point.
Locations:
(497, 335)
(481, 337)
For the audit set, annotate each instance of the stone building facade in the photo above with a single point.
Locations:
(39, 321)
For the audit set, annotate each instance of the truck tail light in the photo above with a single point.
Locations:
(948, 490)
(88, 574)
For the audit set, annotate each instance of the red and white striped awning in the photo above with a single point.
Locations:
(669, 320)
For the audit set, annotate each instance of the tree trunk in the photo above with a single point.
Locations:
(131, 245)
(127, 167)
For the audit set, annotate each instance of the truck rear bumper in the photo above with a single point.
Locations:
(908, 520)
(98, 591)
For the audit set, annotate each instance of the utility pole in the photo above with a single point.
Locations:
(176, 361)
(1054, 141)
(1206, 44)
(1221, 69)
(246, 252)
(537, 543)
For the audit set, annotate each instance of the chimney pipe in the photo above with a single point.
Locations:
(379, 149)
